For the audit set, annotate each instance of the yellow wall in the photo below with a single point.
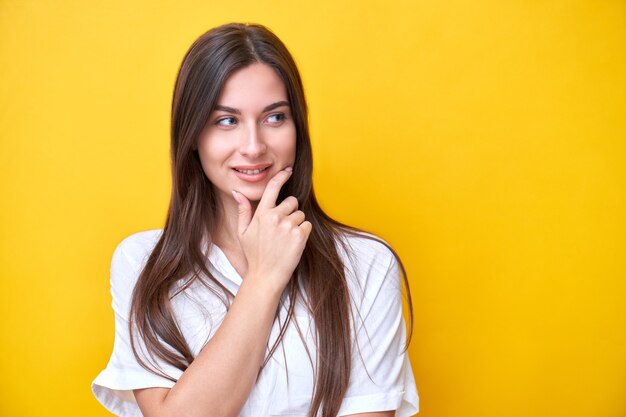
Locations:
(486, 140)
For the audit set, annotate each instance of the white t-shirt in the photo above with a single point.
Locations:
(381, 377)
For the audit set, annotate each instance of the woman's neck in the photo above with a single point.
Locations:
(226, 235)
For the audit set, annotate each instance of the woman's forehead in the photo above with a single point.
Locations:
(252, 88)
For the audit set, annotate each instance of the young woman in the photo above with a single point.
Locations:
(251, 301)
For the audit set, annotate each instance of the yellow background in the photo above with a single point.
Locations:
(485, 140)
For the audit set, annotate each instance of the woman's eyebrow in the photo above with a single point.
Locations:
(226, 109)
(275, 105)
(237, 111)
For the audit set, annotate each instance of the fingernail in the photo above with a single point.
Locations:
(289, 169)
(235, 196)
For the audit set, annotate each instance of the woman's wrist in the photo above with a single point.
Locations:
(269, 285)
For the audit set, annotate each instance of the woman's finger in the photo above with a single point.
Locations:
(288, 206)
(270, 194)
(306, 226)
(296, 218)
(244, 211)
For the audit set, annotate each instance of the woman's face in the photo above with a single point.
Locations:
(250, 135)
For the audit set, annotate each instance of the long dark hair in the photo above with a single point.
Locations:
(178, 258)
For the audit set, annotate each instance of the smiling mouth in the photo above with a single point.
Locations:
(251, 171)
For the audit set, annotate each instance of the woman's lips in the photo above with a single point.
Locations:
(252, 173)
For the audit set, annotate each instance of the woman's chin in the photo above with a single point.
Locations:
(254, 196)
(252, 191)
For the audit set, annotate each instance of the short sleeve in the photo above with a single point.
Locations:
(113, 386)
(381, 376)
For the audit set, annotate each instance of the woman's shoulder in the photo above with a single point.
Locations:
(372, 269)
(366, 255)
(365, 246)
(137, 245)
(130, 256)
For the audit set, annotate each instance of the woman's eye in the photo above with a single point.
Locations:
(276, 118)
(226, 121)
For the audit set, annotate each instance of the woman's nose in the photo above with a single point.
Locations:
(253, 144)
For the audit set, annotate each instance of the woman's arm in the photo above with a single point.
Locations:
(218, 382)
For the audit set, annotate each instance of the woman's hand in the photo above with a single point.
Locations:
(219, 380)
(274, 238)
